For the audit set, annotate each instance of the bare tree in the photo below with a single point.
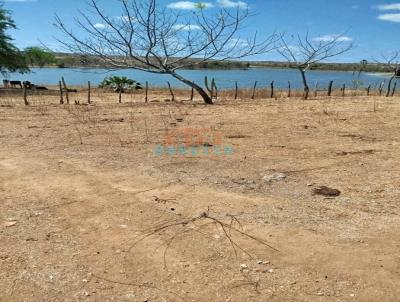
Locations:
(392, 61)
(158, 39)
(303, 52)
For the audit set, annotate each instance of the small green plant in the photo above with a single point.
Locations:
(120, 84)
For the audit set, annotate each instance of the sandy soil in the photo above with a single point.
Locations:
(90, 212)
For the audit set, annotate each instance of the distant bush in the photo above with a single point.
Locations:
(37, 56)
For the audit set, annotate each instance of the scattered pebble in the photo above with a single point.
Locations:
(274, 177)
(9, 224)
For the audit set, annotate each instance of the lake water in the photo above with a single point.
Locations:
(224, 78)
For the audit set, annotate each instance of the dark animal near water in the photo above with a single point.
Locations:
(72, 90)
(15, 84)
(40, 87)
(27, 84)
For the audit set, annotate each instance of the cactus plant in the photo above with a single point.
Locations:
(211, 89)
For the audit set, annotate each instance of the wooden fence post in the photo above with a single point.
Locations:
(368, 90)
(120, 95)
(61, 93)
(192, 94)
(343, 90)
(236, 90)
(146, 99)
(272, 89)
(25, 96)
(330, 88)
(254, 90)
(289, 90)
(394, 89)
(171, 92)
(66, 89)
(89, 93)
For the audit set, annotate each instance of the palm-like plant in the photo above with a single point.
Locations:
(120, 84)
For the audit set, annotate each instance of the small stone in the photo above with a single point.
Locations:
(10, 224)
(270, 271)
(320, 294)
(352, 295)
(326, 191)
(274, 177)
(85, 281)
(244, 266)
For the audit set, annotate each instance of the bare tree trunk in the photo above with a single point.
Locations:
(171, 92)
(344, 90)
(289, 90)
(207, 99)
(368, 90)
(389, 89)
(120, 95)
(305, 84)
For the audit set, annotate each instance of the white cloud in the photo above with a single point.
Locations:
(100, 26)
(392, 6)
(237, 42)
(189, 5)
(390, 17)
(335, 37)
(231, 4)
(186, 27)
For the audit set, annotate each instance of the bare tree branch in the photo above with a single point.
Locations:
(157, 39)
(303, 52)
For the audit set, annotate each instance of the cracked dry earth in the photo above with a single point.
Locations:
(88, 212)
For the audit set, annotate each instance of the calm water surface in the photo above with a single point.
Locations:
(224, 78)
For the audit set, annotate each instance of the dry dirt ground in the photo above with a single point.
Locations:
(90, 212)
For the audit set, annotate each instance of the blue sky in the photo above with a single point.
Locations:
(373, 26)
